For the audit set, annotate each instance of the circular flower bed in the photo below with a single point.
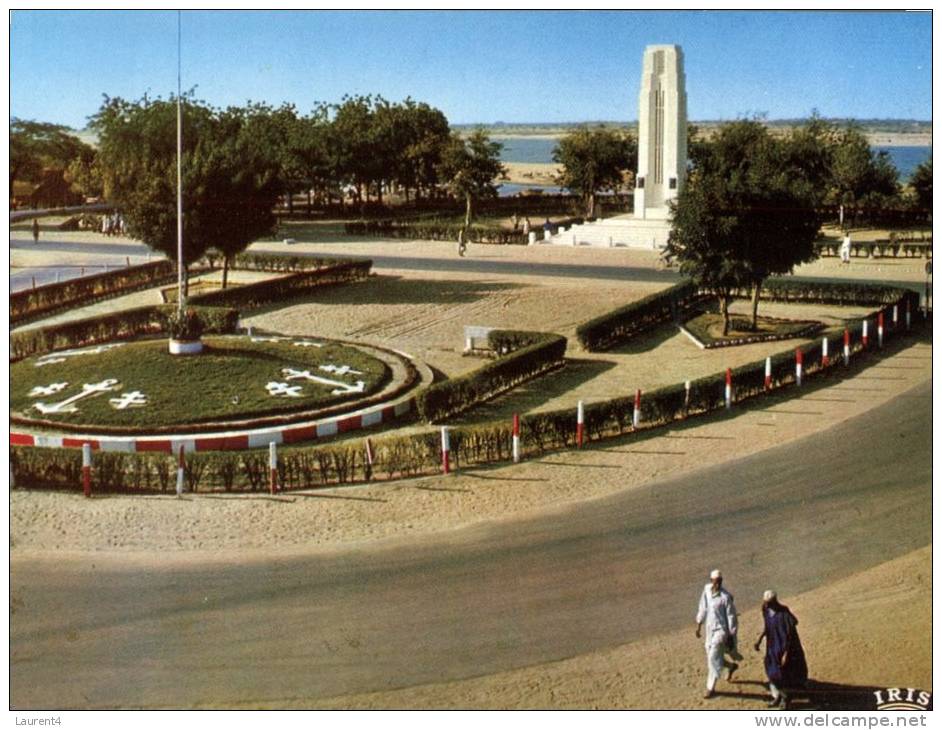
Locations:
(141, 385)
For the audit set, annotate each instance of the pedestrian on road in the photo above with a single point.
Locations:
(785, 664)
(35, 230)
(717, 610)
(526, 226)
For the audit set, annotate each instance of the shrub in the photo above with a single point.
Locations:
(118, 326)
(186, 325)
(283, 262)
(434, 231)
(451, 397)
(286, 287)
(43, 300)
(624, 323)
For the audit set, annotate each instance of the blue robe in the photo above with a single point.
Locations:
(781, 635)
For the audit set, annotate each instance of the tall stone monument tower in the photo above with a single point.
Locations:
(662, 160)
(662, 132)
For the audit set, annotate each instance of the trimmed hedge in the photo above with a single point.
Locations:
(434, 231)
(622, 324)
(283, 262)
(902, 247)
(528, 354)
(286, 287)
(44, 300)
(825, 292)
(310, 467)
(120, 325)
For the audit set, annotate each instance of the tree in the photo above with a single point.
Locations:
(860, 176)
(750, 210)
(921, 183)
(230, 175)
(84, 173)
(595, 160)
(37, 145)
(470, 168)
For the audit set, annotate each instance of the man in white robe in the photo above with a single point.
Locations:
(717, 610)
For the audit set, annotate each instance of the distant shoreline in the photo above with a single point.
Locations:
(876, 139)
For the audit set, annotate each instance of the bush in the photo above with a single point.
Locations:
(43, 300)
(825, 292)
(186, 325)
(454, 396)
(118, 326)
(621, 325)
(282, 262)
(434, 231)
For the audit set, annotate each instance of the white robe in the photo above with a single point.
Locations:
(719, 614)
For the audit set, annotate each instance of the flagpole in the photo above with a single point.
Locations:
(179, 173)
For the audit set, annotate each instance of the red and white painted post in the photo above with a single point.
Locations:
(516, 438)
(636, 415)
(846, 346)
(880, 329)
(180, 465)
(273, 467)
(686, 396)
(895, 316)
(825, 360)
(87, 469)
(768, 373)
(865, 338)
(369, 457)
(446, 450)
(729, 388)
(580, 424)
(909, 314)
(799, 361)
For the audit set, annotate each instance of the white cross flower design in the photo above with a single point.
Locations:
(47, 389)
(283, 389)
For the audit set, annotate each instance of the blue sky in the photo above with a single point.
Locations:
(478, 66)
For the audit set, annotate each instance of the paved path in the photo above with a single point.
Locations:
(107, 631)
(476, 264)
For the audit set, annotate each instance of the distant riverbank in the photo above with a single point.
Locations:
(529, 158)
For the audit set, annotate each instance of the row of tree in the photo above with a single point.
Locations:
(237, 162)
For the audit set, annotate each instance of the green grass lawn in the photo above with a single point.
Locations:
(227, 381)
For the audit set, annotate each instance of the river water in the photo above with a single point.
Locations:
(540, 149)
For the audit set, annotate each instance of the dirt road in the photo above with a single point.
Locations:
(158, 632)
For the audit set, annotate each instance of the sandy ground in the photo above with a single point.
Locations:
(43, 521)
(539, 173)
(835, 622)
(425, 313)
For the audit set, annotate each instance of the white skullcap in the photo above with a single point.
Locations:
(769, 596)
(715, 573)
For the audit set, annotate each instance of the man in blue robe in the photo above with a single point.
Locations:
(785, 664)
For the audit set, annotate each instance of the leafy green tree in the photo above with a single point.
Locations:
(84, 173)
(354, 134)
(426, 133)
(748, 212)
(38, 145)
(921, 183)
(594, 160)
(860, 176)
(470, 168)
(231, 175)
